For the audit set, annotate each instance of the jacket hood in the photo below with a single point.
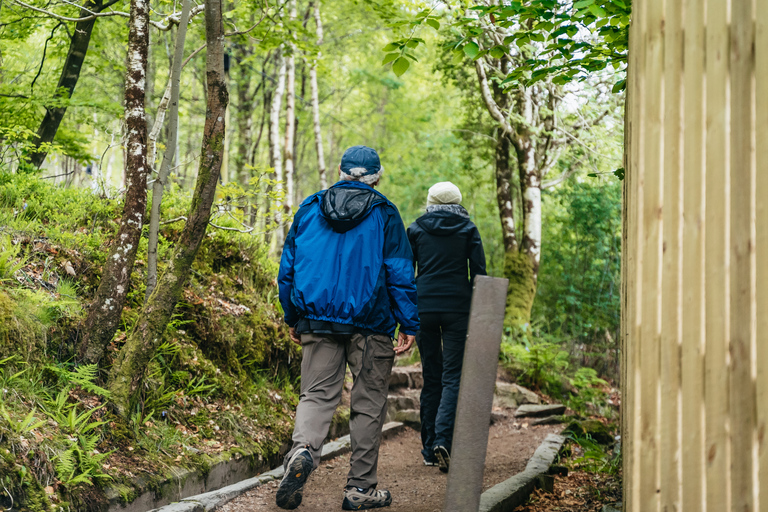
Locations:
(347, 203)
(442, 223)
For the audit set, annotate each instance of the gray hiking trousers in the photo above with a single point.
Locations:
(323, 365)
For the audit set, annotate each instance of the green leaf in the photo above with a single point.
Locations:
(620, 173)
(400, 66)
(458, 56)
(583, 3)
(471, 49)
(620, 86)
(412, 43)
(597, 11)
(391, 47)
(433, 23)
(389, 58)
(592, 175)
(497, 52)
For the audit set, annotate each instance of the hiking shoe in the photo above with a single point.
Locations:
(356, 498)
(443, 458)
(291, 488)
(430, 462)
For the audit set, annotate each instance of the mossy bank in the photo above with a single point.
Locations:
(222, 384)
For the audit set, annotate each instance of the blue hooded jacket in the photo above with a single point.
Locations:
(347, 260)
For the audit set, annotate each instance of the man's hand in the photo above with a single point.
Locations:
(295, 337)
(404, 342)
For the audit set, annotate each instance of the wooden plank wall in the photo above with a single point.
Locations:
(695, 249)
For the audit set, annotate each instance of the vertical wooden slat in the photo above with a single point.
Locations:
(742, 420)
(652, 177)
(694, 178)
(636, 97)
(761, 246)
(717, 222)
(627, 262)
(670, 457)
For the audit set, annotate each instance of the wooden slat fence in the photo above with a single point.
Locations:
(695, 274)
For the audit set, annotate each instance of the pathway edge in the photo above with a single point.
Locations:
(213, 500)
(514, 491)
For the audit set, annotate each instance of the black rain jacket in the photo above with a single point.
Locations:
(448, 254)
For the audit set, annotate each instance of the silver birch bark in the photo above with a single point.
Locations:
(129, 370)
(290, 128)
(276, 154)
(316, 101)
(170, 149)
(104, 312)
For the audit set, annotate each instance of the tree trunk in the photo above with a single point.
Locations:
(276, 154)
(517, 267)
(504, 196)
(105, 310)
(70, 73)
(170, 148)
(316, 101)
(290, 131)
(521, 267)
(128, 371)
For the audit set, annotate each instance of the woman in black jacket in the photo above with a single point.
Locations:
(448, 253)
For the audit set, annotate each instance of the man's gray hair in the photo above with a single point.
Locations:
(358, 174)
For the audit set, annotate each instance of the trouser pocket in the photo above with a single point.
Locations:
(378, 357)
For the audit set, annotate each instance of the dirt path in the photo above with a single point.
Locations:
(414, 487)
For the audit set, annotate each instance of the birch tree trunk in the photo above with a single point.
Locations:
(521, 266)
(275, 151)
(128, 371)
(290, 130)
(521, 258)
(105, 310)
(170, 149)
(316, 101)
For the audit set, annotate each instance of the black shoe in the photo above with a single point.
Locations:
(430, 462)
(356, 498)
(443, 458)
(291, 488)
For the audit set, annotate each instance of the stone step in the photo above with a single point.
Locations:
(539, 410)
(511, 395)
(406, 377)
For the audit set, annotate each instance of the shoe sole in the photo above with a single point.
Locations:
(443, 458)
(346, 505)
(291, 489)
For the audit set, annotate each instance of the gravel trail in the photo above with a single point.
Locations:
(414, 487)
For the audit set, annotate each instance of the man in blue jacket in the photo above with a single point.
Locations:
(346, 280)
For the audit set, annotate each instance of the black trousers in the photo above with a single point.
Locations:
(441, 346)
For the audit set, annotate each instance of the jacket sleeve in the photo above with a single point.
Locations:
(410, 232)
(398, 262)
(285, 276)
(476, 254)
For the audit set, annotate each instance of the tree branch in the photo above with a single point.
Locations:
(490, 103)
(556, 181)
(42, 61)
(170, 20)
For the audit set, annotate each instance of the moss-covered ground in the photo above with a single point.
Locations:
(224, 381)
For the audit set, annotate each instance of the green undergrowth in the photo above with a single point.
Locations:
(540, 362)
(223, 383)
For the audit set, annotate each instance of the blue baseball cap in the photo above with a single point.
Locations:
(360, 157)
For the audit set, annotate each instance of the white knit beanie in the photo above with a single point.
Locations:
(444, 192)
